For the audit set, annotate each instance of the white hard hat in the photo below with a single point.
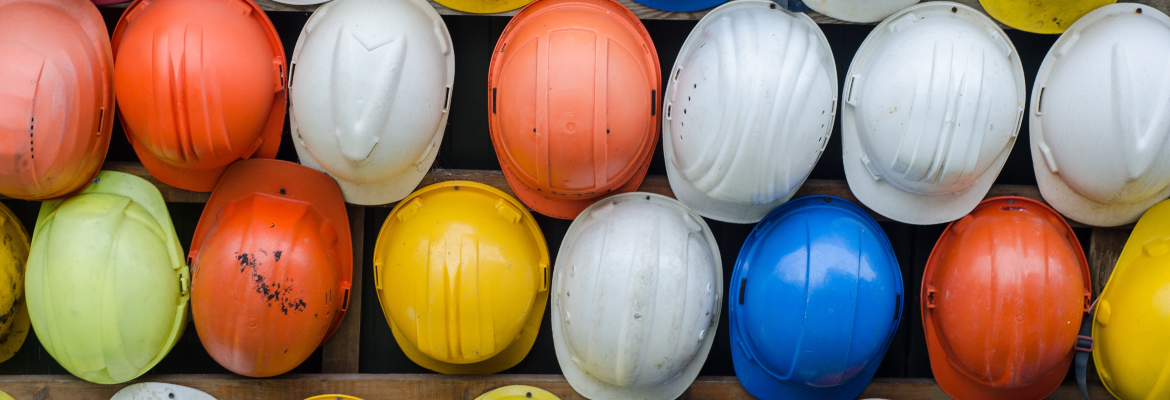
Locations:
(931, 108)
(858, 10)
(370, 86)
(749, 108)
(637, 291)
(160, 391)
(1100, 121)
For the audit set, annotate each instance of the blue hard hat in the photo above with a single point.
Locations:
(681, 5)
(815, 299)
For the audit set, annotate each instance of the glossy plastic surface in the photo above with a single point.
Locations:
(483, 6)
(1041, 16)
(680, 5)
(14, 322)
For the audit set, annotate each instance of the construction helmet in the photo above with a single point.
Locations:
(483, 6)
(572, 124)
(332, 397)
(56, 97)
(1041, 16)
(747, 116)
(160, 391)
(681, 5)
(932, 106)
(14, 323)
(616, 339)
(200, 84)
(1099, 148)
(1131, 349)
(518, 392)
(858, 10)
(816, 298)
(461, 271)
(360, 111)
(1003, 295)
(271, 265)
(106, 284)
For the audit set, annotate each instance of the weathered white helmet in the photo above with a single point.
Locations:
(637, 291)
(858, 10)
(931, 108)
(1100, 121)
(370, 87)
(749, 108)
(160, 391)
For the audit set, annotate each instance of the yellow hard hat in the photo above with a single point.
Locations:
(461, 271)
(14, 322)
(1133, 313)
(333, 397)
(483, 6)
(1041, 16)
(5, 396)
(518, 392)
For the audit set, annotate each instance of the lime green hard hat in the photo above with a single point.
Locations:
(106, 284)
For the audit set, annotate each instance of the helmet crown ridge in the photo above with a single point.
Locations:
(359, 126)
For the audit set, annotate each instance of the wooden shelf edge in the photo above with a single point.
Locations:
(401, 386)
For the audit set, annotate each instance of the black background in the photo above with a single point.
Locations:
(467, 145)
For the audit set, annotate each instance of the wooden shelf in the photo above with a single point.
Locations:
(644, 12)
(373, 387)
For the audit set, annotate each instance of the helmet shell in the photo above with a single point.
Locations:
(14, 322)
(1002, 297)
(518, 392)
(360, 111)
(160, 391)
(273, 262)
(1131, 319)
(574, 89)
(106, 285)
(483, 6)
(1100, 121)
(680, 5)
(201, 85)
(614, 338)
(832, 269)
(863, 11)
(1041, 16)
(461, 271)
(932, 106)
(56, 97)
(749, 109)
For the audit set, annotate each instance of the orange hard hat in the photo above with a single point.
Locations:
(271, 265)
(574, 89)
(1003, 295)
(56, 97)
(201, 84)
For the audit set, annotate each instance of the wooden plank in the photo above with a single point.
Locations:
(1104, 248)
(341, 352)
(641, 11)
(371, 386)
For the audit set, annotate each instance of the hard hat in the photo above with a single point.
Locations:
(1131, 349)
(932, 106)
(56, 97)
(200, 85)
(360, 112)
(160, 391)
(5, 396)
(681, 5)
(14, 323)
(272, 264)
(517, 392)
(572, 124)
(1003, 294)
(333, 397)
(483, 6)
(615, 339)
(816, 296)
(461, 271)
(106, 285)
(1099, 148)
(1041, 16)
(742, 144)
(858, 10)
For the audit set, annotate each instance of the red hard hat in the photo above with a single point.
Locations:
(1003, 294)
(574, 88)
(201, 85)
(56, 97)
(271, 265)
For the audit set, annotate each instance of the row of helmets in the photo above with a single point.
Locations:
(167, 391)
(930, 109)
